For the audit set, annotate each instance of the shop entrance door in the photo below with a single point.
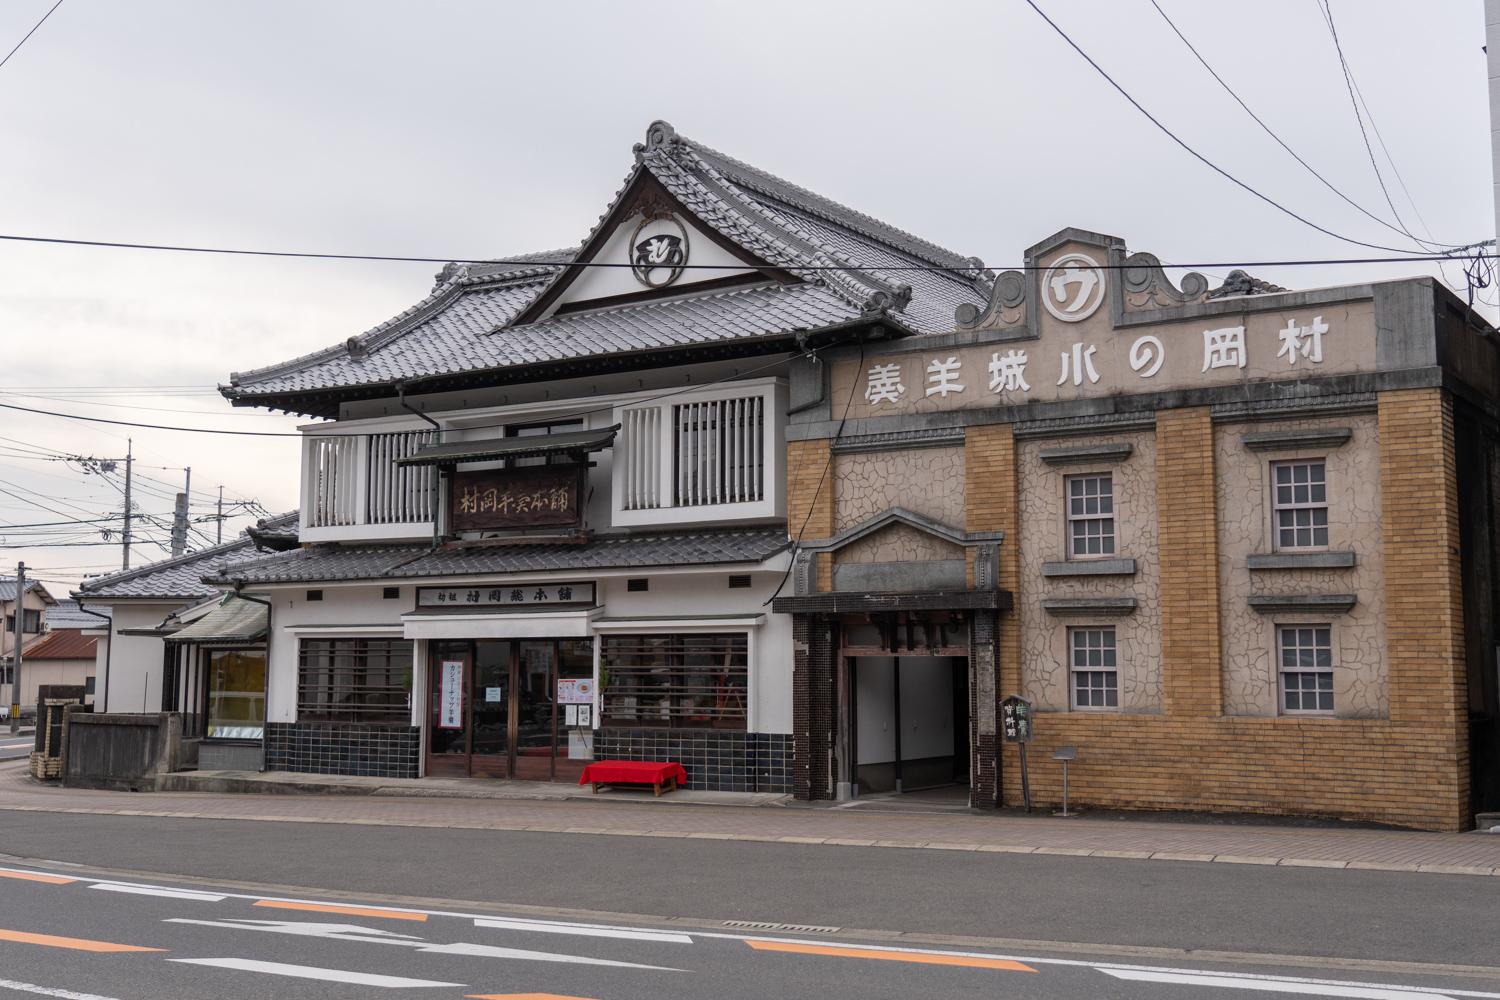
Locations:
(509, 708)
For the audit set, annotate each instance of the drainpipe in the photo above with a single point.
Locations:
(437, 485)
(109, 652)
(238, 587)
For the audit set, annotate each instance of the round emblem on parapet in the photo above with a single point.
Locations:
(658, 251)
(1073, 287)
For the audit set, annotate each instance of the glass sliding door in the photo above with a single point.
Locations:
(490, 715)
(448, 666)
(535, 713)
(575, 696)
(236, 694)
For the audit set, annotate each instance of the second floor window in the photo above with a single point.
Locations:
(31, 621)
(1091, 516)
(541, 430)
(1300, 502)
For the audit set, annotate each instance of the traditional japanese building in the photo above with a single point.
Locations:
(544, 510)
(1235, 546)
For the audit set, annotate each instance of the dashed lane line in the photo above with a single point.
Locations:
(521, 996)
(348, 911)
(885, 955)
(48, 991)
(74, 944)
(314, 972)
(1351, 991)
(185, 895)
(583, 930)
(36, 877)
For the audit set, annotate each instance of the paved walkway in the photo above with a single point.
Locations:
(864, 827)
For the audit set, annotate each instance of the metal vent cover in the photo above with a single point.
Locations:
(760, 925)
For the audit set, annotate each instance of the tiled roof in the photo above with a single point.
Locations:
(8, 589)
(179, 579)
(852, 265)
(69, 614)
(333, 563)
(61, 644)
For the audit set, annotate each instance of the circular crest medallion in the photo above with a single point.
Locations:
(658, 251)
(1073, 287)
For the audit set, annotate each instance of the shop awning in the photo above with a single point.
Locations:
(234, 621)
(494, 449)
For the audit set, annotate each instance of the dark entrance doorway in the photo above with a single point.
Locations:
(493, 708)
(909, 722)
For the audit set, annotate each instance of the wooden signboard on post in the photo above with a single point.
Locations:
(1015, 727)
(541, 496)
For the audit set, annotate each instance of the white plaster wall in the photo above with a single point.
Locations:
(134, 674)
(926, 708)
(600, 282)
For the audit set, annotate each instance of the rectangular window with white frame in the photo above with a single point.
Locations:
(1091, 516)
(1299, 499)
(1305, 663)
(1094, 673)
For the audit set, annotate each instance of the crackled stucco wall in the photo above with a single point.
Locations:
(1044, 638)
(1245, 528)
(927, 481)
(898, 543)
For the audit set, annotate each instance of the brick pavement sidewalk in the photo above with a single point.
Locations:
(1085, 836)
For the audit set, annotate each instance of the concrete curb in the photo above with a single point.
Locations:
(1071, 852)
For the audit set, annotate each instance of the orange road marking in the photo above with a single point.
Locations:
(77, 944)
(892, 956)
(34, 877)
(520, 996)
(348, 911)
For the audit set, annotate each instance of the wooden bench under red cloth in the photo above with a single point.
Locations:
(634, 772)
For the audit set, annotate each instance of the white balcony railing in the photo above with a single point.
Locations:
(352, 487)
(699, 457)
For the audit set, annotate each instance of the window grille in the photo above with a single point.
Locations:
(675, 681)
(354, 680)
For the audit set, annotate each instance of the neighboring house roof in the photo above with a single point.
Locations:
(335, 563)
(8, 589)
(61, 644)
(468, 324)
(70, 614)
(178, 579)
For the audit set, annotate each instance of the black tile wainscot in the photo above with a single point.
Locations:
(324, 748)
(715, 761)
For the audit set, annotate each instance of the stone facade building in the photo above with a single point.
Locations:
(1235, 546)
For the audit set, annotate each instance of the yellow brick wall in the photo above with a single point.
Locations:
(1187, 531)
(990, 497)
(1411, 769)
(809, 500)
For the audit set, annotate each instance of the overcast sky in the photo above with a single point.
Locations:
(456, 129)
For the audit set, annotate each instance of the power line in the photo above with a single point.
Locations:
(29, 34)
(1193, 152)
(1279, 141)
(1359, 119)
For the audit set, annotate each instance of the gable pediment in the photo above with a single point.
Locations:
(655, 247)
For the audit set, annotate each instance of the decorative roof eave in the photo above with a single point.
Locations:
(324, 403)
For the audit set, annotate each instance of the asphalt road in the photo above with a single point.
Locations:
(1365, 915)
(76, 935)
(14, 747)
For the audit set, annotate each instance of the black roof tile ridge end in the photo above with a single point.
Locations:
(833, 211)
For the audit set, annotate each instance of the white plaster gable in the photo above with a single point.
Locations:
(605, 282)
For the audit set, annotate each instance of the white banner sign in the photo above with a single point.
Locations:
(451, 695)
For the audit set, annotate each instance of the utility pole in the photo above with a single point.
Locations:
(20, 633)
(219, 536)
(180, 517)
(125, 534)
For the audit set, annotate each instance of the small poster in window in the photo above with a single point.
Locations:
(575, 691)
(451, 695)
(492, 694)
(585, 715)
(570, 715)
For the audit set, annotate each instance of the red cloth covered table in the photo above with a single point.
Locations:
(633, 772)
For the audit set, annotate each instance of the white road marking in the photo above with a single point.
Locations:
(356, 934)
(1353, 991)
(48, 991)
(582, 930)
(149, 890)
(312, 972)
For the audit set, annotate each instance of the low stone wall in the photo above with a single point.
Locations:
(119, 750)
(343, 748)
(715, 760)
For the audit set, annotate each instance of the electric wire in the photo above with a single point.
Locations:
(1192, 151)
(28, 34)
